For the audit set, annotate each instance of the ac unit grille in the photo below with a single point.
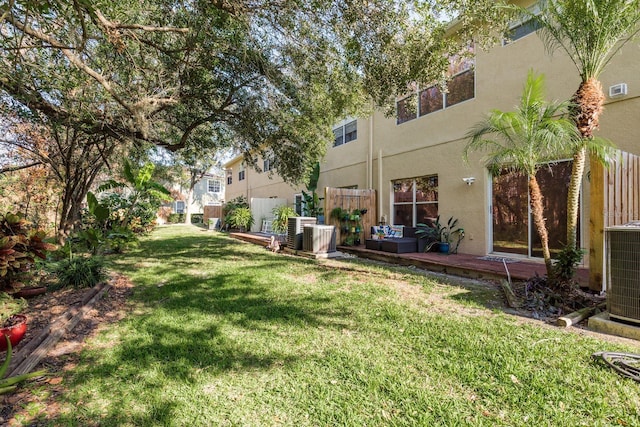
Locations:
(623, 285)
(295, 227)
(319, 239)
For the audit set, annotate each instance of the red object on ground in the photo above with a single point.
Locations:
(15, 332)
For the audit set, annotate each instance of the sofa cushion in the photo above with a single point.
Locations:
(390, 231)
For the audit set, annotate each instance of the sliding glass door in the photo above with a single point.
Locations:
(513, 229)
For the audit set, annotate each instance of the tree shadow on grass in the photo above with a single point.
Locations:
(195, 322)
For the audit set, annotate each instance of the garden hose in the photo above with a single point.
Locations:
(626, 364)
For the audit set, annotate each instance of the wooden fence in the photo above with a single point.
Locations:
(615, 200)
(212, 212)
(350, 200)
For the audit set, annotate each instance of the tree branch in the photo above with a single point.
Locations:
(110, 25)
(17, 168)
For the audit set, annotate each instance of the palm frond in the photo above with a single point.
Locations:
(603, 150)
(110, 185)
(534, 133)
(589, 31)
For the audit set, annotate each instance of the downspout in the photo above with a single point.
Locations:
(380, 184)
(370, 153)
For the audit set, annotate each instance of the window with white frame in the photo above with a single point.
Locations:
(229, 176)
(214, 186)
(460, 87)
(179, 208)
(345, 133)
(267, 165)
(520, 28)
(241, 174)
(415, 200)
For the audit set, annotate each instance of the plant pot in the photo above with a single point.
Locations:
(444, 248)
(15, 332)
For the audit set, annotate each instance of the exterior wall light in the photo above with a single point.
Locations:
(469, 180)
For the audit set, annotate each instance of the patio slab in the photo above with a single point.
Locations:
(604, 324)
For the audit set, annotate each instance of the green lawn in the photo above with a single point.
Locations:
(226, 333)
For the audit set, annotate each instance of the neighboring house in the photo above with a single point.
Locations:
(414, 160)
(209, 190)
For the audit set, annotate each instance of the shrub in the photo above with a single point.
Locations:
(566, 264)
(197, 218)
(19, 248)
(241, 218)
(10, 306)
(80, 272)
(282, 214)
(230, 206)
(175, 218)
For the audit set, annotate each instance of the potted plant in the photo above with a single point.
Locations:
(12, 324)
(450, 232)
(441, 236)
(339, 214)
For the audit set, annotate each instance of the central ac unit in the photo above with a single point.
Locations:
(319, 239)
(623, 278)
(295, 227)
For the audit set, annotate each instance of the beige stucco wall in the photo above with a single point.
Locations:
(433, 144)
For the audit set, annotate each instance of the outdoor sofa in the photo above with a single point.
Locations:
(397, 239)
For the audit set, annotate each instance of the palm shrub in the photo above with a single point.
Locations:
(139, 182)
(524, 139)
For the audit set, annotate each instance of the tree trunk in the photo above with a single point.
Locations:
(187, 206)
(194, 176)
(588, 104)
(539, 220)
(573, 196)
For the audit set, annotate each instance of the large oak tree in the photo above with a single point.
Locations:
(272, 76)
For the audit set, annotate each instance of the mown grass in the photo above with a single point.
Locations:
(224, 333)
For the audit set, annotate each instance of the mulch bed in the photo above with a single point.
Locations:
(41, 312)
(544, 303)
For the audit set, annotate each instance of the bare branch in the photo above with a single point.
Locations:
(17, 168)
(148, 28)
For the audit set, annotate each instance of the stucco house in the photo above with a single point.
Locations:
(209, 190)
(414, 160)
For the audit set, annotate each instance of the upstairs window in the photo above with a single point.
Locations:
(460, 87)
(241, 175)
(229, 176)
(345, 133)
(267, 165)
(518, 29)
(214, 186)
(406, 108)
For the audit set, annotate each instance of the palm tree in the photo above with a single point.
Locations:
(522, 141)
(591, 32)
